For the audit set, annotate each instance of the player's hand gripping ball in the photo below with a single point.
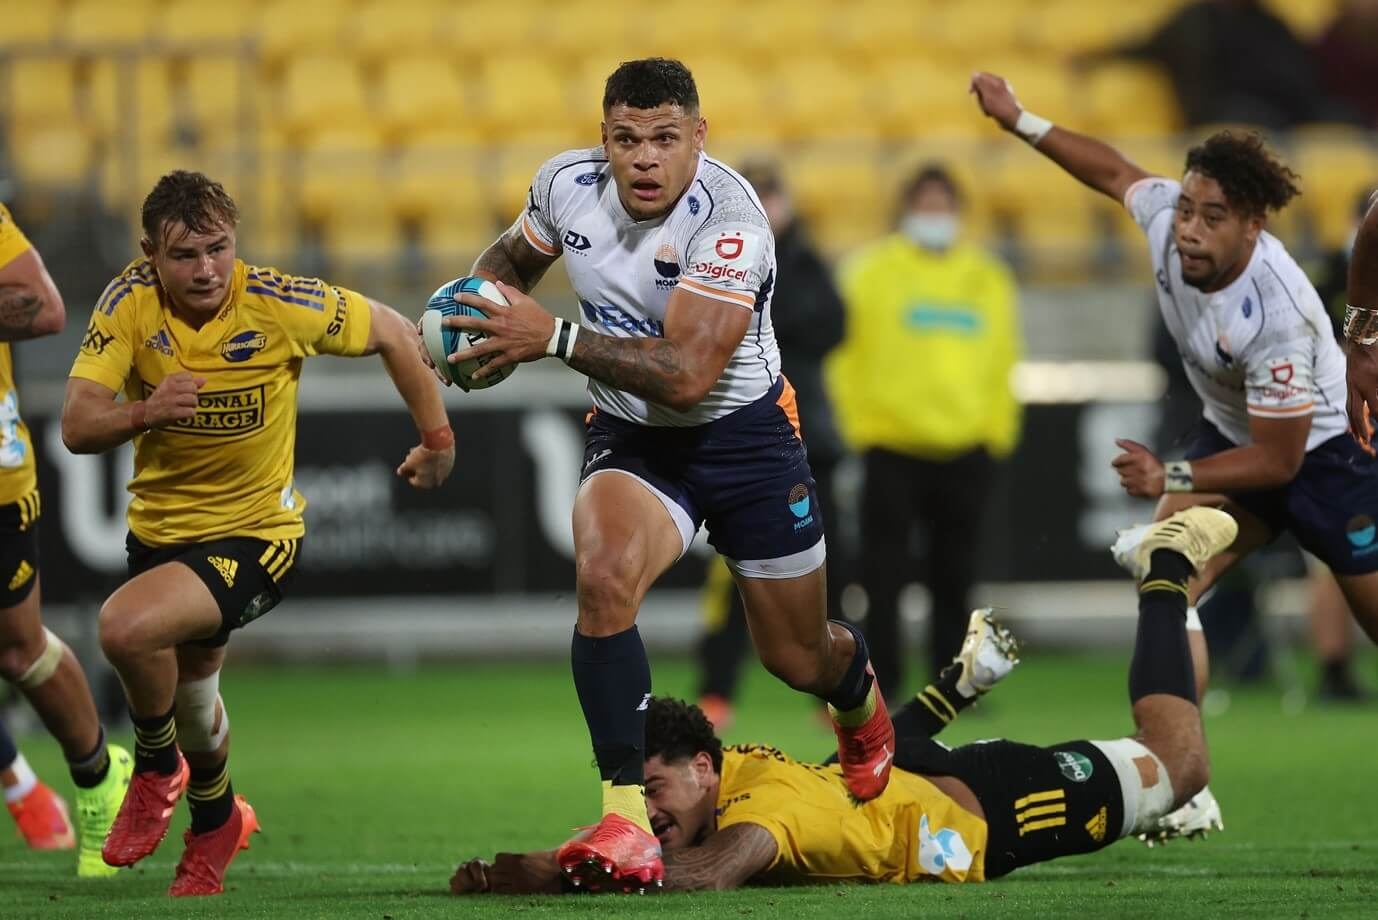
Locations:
(442, 342)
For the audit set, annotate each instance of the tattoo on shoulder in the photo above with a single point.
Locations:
(19, 307)
(727, 859)
(512, 260)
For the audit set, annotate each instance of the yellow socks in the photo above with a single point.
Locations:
(627, 801)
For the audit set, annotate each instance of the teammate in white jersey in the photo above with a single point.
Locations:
(673, 261)
(1361, 325)
(1273, 448)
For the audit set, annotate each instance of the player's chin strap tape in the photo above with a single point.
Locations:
(1177, 476)
(202, 722)
(561, 344)
(1361, 325)
(46, 664)
(1032, 128)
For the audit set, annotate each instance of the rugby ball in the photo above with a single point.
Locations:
(441, 341)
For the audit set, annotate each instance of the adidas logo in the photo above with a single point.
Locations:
(1096, 826)
(226, 567)
(21, 575)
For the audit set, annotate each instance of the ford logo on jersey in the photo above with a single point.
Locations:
(1248, 308)
(244, 346)
(589, 178)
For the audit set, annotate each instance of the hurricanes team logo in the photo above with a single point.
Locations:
(799, 501)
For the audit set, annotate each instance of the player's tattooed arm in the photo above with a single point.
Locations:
(30, 305)
(676, 369)
(512, 260)
(727, 859)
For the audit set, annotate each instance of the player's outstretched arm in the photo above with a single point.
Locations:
(30, 305)
(513, 261)
(394, 339)
(92, 421)
(728, 859)
(1093, 162)
(1361, 327)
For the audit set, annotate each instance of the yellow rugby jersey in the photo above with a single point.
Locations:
(18, 477)
(228, 470)
(911, 832)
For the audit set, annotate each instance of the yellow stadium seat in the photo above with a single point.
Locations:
(423, 92)
(1046, 87)
(441, 184)
(121, 90)
(285, 30)
(1335, 171)
(816, 97)
(189, 21)
(1130, 99)
(1054, 218)
(215, 91)
(99, 22)
(781, 29)
(733, 99)
(42, 90)
(982, 29)
(359, 227)
(51, 156)
(523, 96)
(1066, 27)
(870, 28)
(320, 92)
(39, 24)
(919, 98)
(327, 167)
(513, 171)
(386, 31)
(843, 198)
(583, 30)
(481, 29)
(1308, 18)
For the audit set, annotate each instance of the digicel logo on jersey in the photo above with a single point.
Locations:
(717, 271)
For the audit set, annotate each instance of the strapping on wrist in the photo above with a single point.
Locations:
(1177, 476)
(1031, 127)
(561, 344)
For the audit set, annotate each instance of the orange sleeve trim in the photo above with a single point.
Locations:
(536, 242)
(703, 290)
(1288, 412)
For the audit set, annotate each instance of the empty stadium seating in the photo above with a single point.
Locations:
(434, 114)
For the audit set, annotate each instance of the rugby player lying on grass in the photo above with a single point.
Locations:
(751, 814)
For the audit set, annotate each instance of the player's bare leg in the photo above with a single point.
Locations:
(51, 679)
(221, 821)
(141, 625)
(1362, 593)
(624, 539)
(800, 645)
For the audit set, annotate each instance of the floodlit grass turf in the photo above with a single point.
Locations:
(372, 785)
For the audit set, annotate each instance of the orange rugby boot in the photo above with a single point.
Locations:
(613, 855)
(43, 822)
(201, 870)
(867, 751)
(145, 815)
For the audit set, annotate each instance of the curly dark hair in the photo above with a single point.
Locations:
(1253, 179)
(197, 201)
(650, 82)
(677, 730)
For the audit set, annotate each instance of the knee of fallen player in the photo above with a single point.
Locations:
(29, 658)
(203, 725)
(1171, 731)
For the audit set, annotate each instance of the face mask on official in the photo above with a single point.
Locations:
(932, 221)
(931, 231)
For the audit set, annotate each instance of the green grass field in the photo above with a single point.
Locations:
(372, 785)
